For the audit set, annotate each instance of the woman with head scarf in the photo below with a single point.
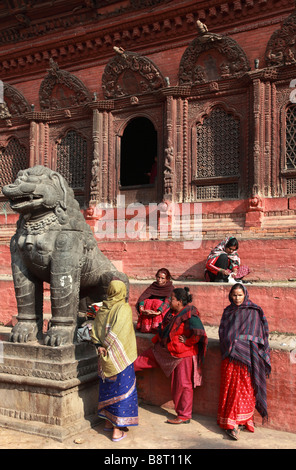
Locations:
(114, 336)
(154, 302)
(224, 260)
(179, 349)
(243, 335)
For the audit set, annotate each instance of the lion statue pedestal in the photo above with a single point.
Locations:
(48, 391)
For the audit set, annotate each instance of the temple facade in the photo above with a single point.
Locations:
(174, 121)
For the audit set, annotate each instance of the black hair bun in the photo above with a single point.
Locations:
(189, 296)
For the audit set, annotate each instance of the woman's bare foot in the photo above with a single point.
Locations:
(118, 434)
(108, 426)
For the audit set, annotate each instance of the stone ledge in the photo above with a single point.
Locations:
(195, 282)
(210, 298)
(277, 341)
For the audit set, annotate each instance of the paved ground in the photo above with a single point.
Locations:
(153, 433)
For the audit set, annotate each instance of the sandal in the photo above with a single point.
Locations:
(178, 421)
(117, 439)
(111, 429)
(233, 433)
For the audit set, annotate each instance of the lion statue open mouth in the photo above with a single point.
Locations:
(53, 244)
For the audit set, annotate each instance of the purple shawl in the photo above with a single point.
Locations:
(243, 334)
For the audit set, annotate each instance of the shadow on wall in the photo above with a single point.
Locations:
(194, 272)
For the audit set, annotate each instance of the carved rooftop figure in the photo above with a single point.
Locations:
(53, 244)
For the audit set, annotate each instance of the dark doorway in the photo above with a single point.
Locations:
(138, 153)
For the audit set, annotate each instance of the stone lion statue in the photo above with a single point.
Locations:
(53, 244)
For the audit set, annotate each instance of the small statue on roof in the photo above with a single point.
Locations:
(204, 35)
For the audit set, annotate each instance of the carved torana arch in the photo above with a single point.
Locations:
(211, 57)
(60, 89)
(129, 73)
(14, 103)
(281, 47)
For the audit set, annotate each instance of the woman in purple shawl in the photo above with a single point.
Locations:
(243, 335)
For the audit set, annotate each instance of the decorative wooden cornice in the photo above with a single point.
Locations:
(101, 105)
(24, 20)
(94, 38)
(181, 91)
(57, 115)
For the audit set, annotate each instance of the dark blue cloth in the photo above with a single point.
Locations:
(118, 399)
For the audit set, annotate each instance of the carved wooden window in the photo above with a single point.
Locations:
(291, 137)
(72, 162)
(290, 150)
(13, 158)
(217, 156)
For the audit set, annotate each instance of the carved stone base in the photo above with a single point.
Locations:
(48, 391)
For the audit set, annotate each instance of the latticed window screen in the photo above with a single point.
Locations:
(291, 137)
(72, 159)
(291, 186)
(13, 158)
(218, 154)
(217, 191)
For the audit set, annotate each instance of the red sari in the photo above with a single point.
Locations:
(237, 397)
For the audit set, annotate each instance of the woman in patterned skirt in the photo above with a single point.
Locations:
(243, 334)
(114, 336)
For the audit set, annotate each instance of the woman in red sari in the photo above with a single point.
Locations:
(243, 334)
(179, 349)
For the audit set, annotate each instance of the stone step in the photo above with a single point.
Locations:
(277, 299)
(268, 259)
(284, 221)
(277, 341)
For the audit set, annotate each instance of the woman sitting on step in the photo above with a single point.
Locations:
(224, 261)
(154, 302)
(179, 349)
